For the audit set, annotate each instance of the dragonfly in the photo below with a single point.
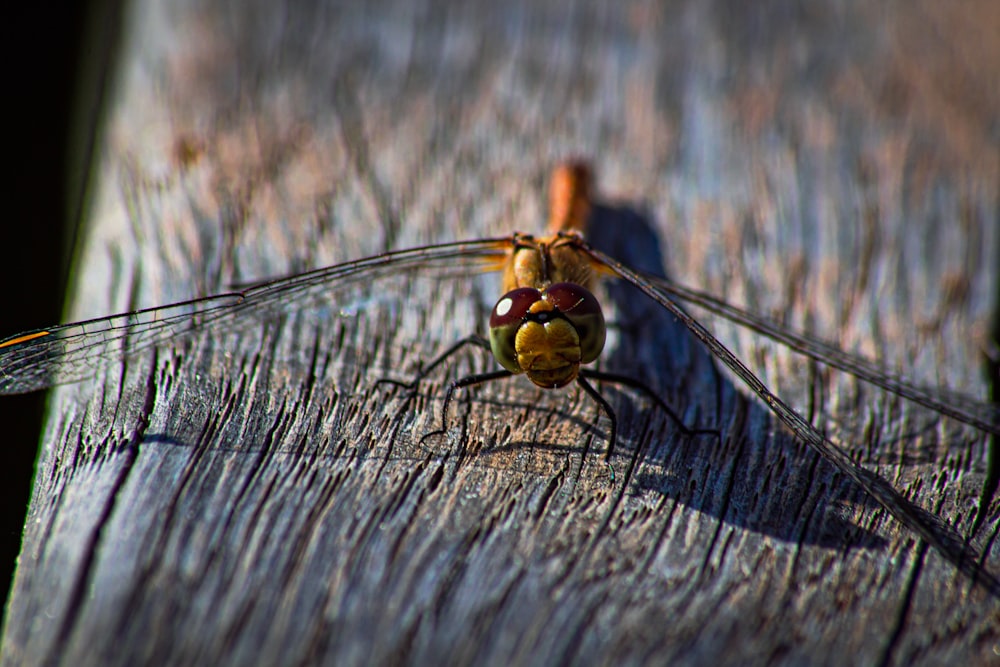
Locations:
(548, 326)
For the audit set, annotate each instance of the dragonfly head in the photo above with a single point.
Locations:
(546, 334)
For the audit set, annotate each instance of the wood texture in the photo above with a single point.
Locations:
(252, 496)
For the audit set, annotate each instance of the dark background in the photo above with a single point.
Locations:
(56, 72)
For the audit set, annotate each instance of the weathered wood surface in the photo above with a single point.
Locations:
(249, 496)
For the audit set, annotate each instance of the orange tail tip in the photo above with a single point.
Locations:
(570, 192)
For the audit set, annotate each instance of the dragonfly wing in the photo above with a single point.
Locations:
(72, 352)
(931, 528)
(964, 408)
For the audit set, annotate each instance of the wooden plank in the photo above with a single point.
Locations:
(250, 495)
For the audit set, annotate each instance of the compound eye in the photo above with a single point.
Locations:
(513, 306)
(507, 316)
(583, 310)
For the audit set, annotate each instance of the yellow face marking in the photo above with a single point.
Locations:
(23, 339)
(549, 352)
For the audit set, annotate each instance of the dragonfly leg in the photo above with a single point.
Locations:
(596, 395)
(411, 386)
(468, 381)
(633, 383)
(424, 371)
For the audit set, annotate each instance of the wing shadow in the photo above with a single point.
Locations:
(758, 477)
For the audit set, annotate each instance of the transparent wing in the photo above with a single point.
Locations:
(936, 532)
(956, 405)
(69, 353)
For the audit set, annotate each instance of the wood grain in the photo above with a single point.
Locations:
(251, 495)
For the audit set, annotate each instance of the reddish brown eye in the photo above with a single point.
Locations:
(505, 320)
(571, 298)
(513, 306)
(582, 309)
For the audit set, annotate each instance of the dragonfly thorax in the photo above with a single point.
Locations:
(544, 261)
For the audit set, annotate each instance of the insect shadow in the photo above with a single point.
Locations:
(755, 476)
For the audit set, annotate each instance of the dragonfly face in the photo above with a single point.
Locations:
(546, 334)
